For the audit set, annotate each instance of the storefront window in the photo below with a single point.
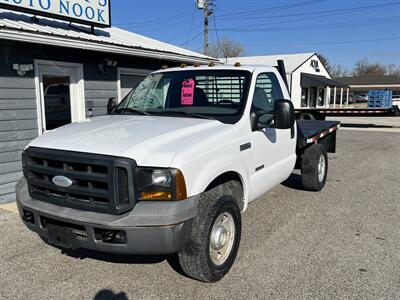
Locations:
(304, 97)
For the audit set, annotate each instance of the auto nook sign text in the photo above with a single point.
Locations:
(91, 12)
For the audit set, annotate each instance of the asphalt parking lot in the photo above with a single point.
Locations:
(343, 242)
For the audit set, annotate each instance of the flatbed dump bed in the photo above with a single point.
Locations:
(313, 131)
(322, 113)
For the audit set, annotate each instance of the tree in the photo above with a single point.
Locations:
(365, 68)
(326, 63)
(339, 71)
(227, 48)
(333, 70)
(393, 69)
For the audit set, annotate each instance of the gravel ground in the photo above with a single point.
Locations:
(382, 124)
(341, 243)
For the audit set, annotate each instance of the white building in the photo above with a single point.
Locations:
(310, 84)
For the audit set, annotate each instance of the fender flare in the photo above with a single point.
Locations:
(217, 167)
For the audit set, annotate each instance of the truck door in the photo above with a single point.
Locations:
(273, 149)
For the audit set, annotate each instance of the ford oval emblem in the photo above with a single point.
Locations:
(62, 181)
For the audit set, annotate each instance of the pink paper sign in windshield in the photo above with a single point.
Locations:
(187, 92)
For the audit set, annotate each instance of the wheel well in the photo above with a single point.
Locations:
(226, 177)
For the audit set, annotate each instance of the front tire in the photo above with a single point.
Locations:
(314, 167)
(215, 237)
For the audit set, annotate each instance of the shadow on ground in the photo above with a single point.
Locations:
(356, 125)
(172, 259)
(110, 295)
(294, 182)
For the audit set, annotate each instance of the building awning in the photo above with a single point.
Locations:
(308, 80)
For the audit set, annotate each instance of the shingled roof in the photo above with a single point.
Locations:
(370, 80)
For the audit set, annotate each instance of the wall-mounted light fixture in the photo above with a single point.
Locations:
(22, 69)
(107, 63)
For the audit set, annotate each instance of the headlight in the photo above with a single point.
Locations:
(160, 184)
(161, 178)
(24, 162)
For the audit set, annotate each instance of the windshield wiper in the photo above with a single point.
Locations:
(183, 113)
(131, 110)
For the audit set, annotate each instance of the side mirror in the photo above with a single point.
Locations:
(282, 117)
(111, 104)
(284, 114)
(256, 122)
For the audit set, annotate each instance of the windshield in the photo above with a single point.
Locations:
(217, 94)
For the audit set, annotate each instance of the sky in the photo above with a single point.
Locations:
(344, 31)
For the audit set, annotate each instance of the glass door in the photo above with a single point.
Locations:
(61, 94)
(321, 97)
(57, 101)
(313, 97)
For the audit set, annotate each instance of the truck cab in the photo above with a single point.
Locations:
(171, 168)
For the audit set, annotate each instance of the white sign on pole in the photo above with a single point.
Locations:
(91, 12)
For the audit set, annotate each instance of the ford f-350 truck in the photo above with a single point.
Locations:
(171, 168)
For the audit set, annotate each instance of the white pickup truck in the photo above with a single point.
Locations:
(172, 167)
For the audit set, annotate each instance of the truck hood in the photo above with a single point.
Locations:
(150, 140)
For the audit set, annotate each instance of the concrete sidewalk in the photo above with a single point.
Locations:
(12, 207)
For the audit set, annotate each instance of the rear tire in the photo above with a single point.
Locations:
(314, 167)
(306, 116)
(215, 237)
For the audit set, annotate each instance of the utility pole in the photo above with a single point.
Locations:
(206, 12)
(208, 7)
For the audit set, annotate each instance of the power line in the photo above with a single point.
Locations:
(314, 17)
(159, 25)
(325, 43)
(316, 14)
(191, 39)
(158, 28)
(191, 24)
(274, 8)
(158, 20)
(367, 22)
(198, 49)
(216, 32)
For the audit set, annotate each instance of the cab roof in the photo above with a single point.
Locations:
(249, 68)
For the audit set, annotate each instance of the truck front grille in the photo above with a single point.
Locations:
(100, 183)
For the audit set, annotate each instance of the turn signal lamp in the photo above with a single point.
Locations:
(180, 186)
(155, 196)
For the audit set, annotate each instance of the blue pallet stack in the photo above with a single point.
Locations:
(380, 99)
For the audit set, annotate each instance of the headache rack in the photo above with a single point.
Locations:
(100, 183)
